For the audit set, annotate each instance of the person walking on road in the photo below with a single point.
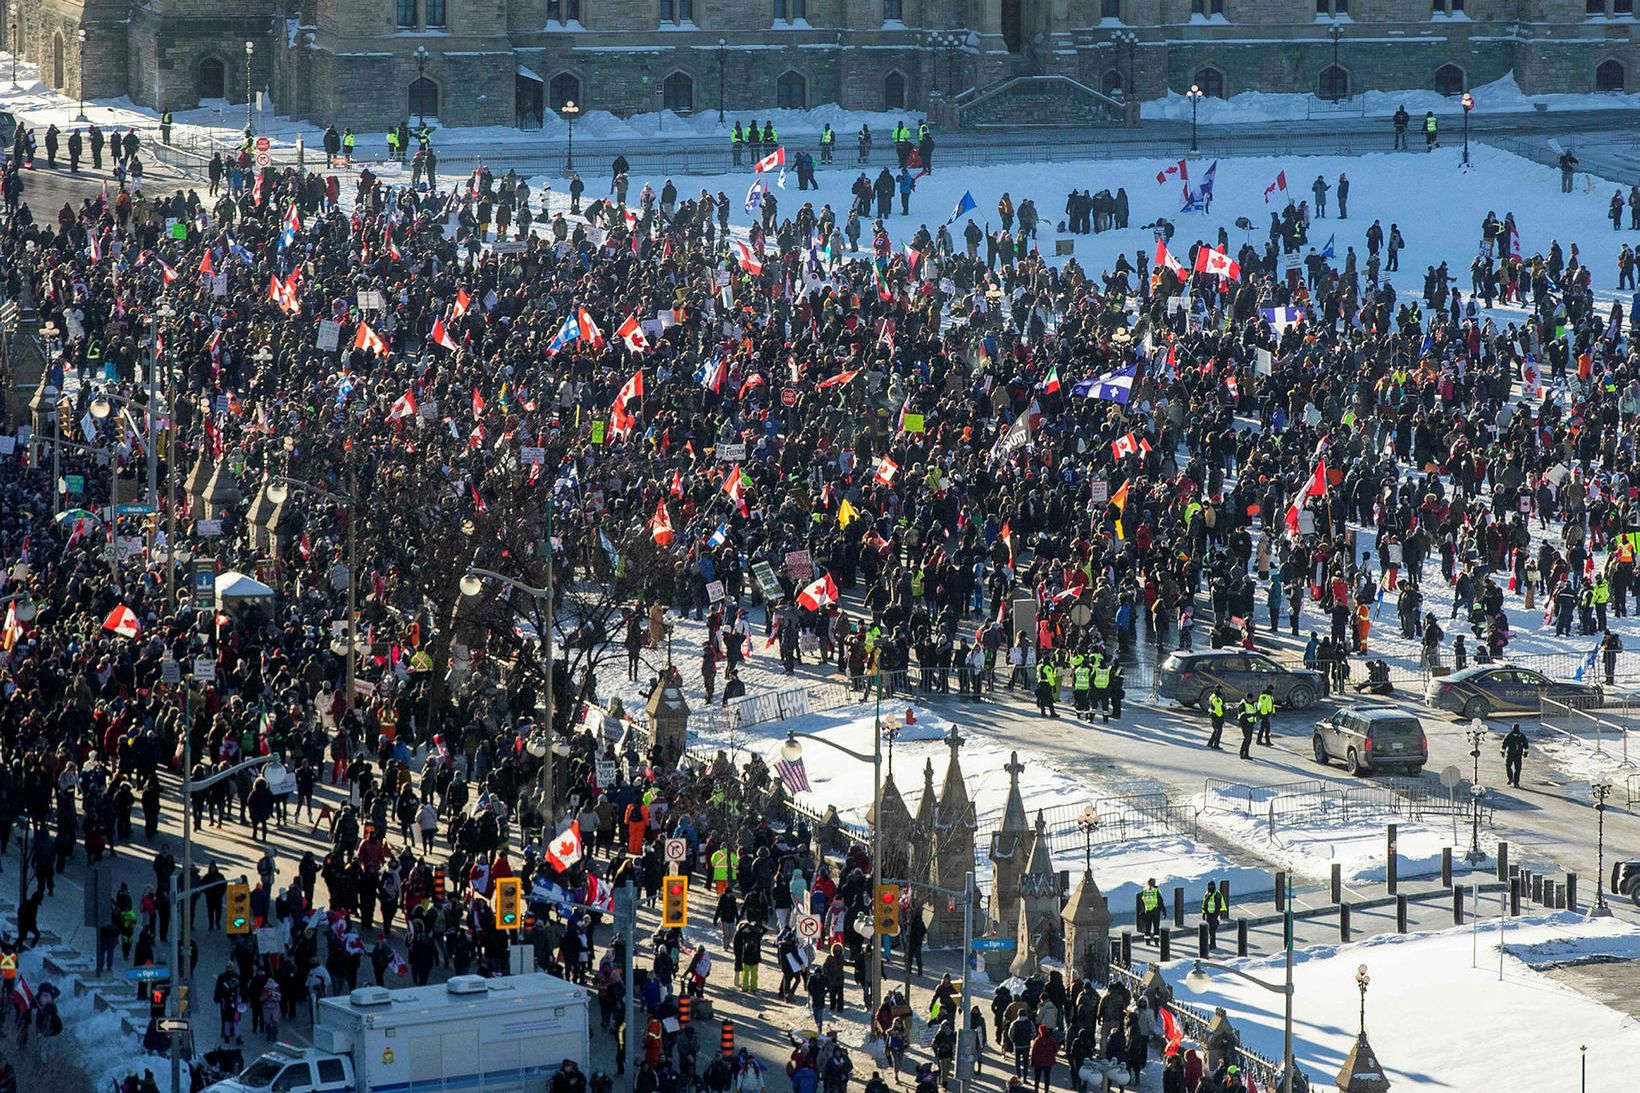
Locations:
(1514, 750)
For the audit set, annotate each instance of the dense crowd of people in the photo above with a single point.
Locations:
(909, 438)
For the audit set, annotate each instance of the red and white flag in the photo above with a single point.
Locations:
(167, 273)
(886, 470)
(369, 339)
(566, 849)
(478, 403)
(463, 302)
(1172, 1034)
(1174, 170)
(122, 621)
(1209, 260)
(1164, 258)
(748, 258)
(776, 158)
(1315, 486)
(403, 406)
(838, 380)
(660, 525)
(441, 337)
(632, 334)
(1279, 184)
(631, 389)
(13, 632)
(1131, 444)
(589, 329)
(735, 487)
(820, 593)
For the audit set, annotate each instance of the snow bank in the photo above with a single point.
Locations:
(1438, 1013)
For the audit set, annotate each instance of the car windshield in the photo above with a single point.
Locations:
(1526, 675)
(1263, 664)
(263, 1071)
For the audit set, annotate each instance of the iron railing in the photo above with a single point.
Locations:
(1610, 729)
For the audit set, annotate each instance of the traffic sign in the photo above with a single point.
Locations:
(264, 160)
(788, 397)
(1451, 776)
(676, 850)
(263, 144)
(172, 1024)
(136, 508)
(147, 973)
(808, 927)
(990, 944)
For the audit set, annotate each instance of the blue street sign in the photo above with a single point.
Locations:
(983, 944)
(147, 973)
(139, 508)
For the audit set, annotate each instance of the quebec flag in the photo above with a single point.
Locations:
(1199, 196)
(1114, 386)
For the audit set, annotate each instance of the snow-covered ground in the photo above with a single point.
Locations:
(1438, 1014)
(1502, 96)
(1349, 834)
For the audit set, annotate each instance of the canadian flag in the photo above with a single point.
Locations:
(1129, 445)
(735, 486)
(122, 621)
(821, 593)
(631, 389)
(748, 258)
(403, 406)
(886, 470)
(776, 158)
(1279, 184)
(632, 334)
(566, 849)
(1175, 170)
(660, 525)
(478, 403)
(677, 484)
(167, 273)
(369, 339)
(1209, 260)
(205, 266)
(1514, 241)
(441, 337)
(599, 894)
(838, 380)
(463, 302)
(589, 329)
(1164, 257)
(1316, 486)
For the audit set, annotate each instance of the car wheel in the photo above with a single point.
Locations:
(1477, 708)
(1301, 697)
(1320, 749)
(1202, 701)
(1352, 763)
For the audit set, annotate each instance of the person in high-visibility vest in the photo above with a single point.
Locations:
(1047, 688)
(1081, 681)
(1266, 707)
(1248, 719)
(1101, 687)
(1214, 908)
(1215, 708)
(1602, 596)
(725, 865)
(1151, 909)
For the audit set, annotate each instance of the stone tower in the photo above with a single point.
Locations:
(954, 829)
(1038, 934)
(1086, 923)
(920, 858)
(893, 832)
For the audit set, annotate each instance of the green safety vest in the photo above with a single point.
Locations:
(1248, 709)
(1082, 676)
(735, 137)
(1215, 705)
(165, 118)
(1213, 903)
(827, 136)
(1266, 704)
(917, 583)
(1101, 678)
(1047, 674)
(1151, 898)
(349, 141)
(1602, 592)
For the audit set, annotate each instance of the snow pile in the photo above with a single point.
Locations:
(1335, 830)
(1438, 1014)
(1501, 96)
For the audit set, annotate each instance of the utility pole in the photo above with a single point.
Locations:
(965, 1041)
(552, 732)
(626, 920)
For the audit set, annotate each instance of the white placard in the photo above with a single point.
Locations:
(729, 453)
(208, 528)
(1263, 362)
(330, 335)
(605, 772)
(205, 669)
(532, 456)
(371, 300)
(714, 591)
(1099, 492)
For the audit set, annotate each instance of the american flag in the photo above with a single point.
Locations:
(792, 773)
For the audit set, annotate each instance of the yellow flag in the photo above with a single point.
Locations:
(846, 514)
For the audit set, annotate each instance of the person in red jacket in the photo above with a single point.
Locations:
(1044, 1050)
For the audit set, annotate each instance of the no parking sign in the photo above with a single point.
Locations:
(808, 927)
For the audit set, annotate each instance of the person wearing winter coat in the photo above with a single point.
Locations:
(1044, 1050)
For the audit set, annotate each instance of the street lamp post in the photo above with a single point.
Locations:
(1336, 33)
(1476, 733)
(11, 43)
(1198, 980)
(166, 313)
(101, 408)
(472, 583)
(722, 53)
(936, 41)
(278, 491)
(1195, 96)
(79, 36)
(1129, 42)
(421, 74)
(1468, 105)
(250, 51)
(570, 110)
(1601, 791)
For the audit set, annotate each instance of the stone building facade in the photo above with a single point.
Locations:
(369, 63)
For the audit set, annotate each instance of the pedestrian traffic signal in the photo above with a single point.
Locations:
(675, 902)
(886, 917)
(239, 908)
(156, 1001)
(509, 903)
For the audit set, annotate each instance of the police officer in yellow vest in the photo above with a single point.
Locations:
(1047, 687)
(1585, 610)
(1602, 596)
(725, 863)
(165, 127)
(1101, 686)
(91, 363)
(1214, 907)
(1248, 720)
(1215, 707)
(1081, 680)
(827, 140)
(737, 143)
(1151, 909)
(1266, 707)
(392, 142)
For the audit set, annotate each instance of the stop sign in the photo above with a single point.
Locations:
(263, 144)
(788, 397)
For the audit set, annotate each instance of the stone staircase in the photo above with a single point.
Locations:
(1036, 101)
(72, 969)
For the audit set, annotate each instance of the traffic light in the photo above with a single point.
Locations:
(886, 917)
(675, 902)
(239, 908)
(509, 902)
(156, 1001)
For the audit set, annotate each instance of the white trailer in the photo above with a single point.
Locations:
(476, 1035)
